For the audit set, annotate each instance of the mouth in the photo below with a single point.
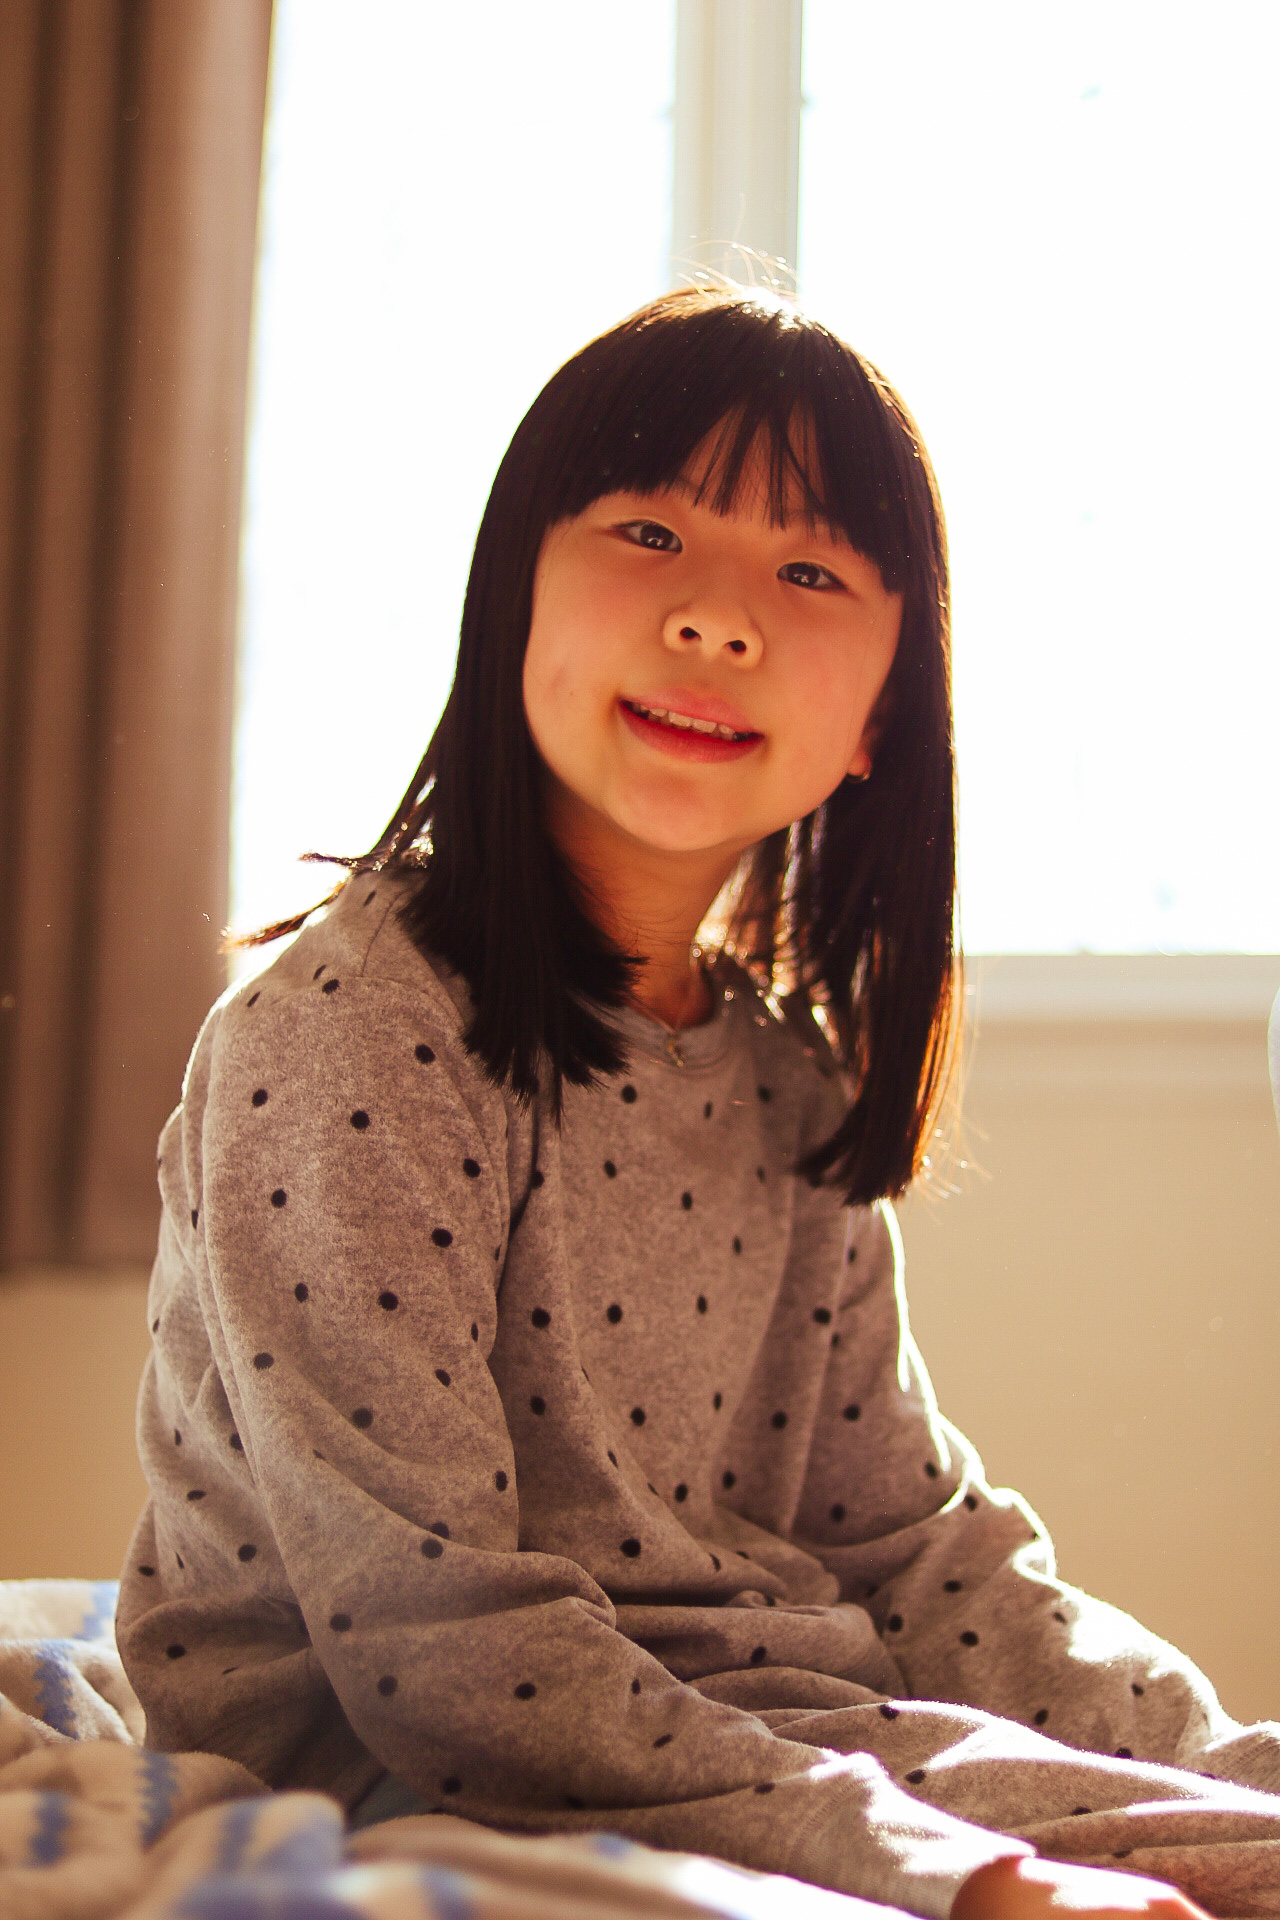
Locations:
(682, 735)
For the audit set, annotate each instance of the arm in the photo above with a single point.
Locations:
(352, 1226)
(960, 1577)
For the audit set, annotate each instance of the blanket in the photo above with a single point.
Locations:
(94, 1824)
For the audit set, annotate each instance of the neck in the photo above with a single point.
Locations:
(648, 902)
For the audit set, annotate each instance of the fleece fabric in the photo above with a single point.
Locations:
(590, 1477)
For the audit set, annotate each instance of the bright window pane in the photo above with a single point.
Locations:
(457, 198)
(1055, 229)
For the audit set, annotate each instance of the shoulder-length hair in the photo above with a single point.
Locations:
(853, 907)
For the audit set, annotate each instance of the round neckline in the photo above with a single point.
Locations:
(700, 1046)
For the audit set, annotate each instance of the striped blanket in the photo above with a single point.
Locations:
(92, 1824)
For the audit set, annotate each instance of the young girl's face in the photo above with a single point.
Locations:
(649, 608)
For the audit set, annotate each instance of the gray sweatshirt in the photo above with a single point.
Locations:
(591, 1478)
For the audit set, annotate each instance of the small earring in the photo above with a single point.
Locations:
(859, 779)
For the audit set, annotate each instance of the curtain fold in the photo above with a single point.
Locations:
(130, 156)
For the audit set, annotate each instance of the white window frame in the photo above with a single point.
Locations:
(736, 183)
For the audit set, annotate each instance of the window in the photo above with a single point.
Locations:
(1054, 228)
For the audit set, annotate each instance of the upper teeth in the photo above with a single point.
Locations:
(684, 720)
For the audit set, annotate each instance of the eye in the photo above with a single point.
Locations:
(651, 534)
(812, 575)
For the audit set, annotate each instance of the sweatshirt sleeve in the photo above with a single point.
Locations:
(960, 1577)
(350, 1177)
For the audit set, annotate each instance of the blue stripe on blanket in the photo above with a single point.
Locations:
(449, 1894)
(53, 1687)
(99, 1620)
(159, 1791)
(48, 1840)
(235, 1832)
(269, 1897)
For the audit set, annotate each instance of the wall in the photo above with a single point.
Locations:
(1098, 1306)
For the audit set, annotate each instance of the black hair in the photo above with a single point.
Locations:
(853, 907)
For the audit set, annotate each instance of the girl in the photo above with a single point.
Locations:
(533, 1427)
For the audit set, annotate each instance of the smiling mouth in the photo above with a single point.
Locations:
(682, 723)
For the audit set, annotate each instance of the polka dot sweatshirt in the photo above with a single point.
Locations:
(581, 1478)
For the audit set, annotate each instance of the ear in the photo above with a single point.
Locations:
(872, 734)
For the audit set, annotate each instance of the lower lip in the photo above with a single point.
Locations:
(682, 743)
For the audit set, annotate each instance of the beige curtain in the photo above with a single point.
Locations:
(130, 153)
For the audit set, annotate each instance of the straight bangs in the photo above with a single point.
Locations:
(847, 914)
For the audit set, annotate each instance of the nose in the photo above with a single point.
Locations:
(711, 630)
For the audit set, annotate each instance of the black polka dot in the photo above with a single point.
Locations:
(968, 1638)
(471, 1168)
(148, 1573)
(717, 1401)
(889, 1713)
(181, 1562)
(260, 1097)
(1078, 1810)
(500, 1481)
(475, 1331)
(1061, 1619)
(631, 1547)
(610, 1170)
(779, 1420)
(852, 1255)
(247, 1552)
(702, 1303)
(971, 1501)
(853, 1411)
(526, 1690)
(302, 1291)
(330, 986)
(931, 1469)
(537, 1177)
(835, 1339)
(359, 1119)
(423, 1053)
(340, 1622)
(951, 1586)
(196, 1493)
(370, 897)
(319, 970)
(155, 1326)
(894, 1623)
(442, 1236)
(253, 997)
(613, 1313)
(637, 1416)
(177, 1438)
(445, 1378)
(766, 1786)
(682, 1492)
(451, 1785)
(728, 1479)
(760, 1175)
(837, 1512)
(635, 1686)
(1137, 1689)
(629, 1094)
(706, 1111)
(537, 1404)
(737, 1244)
(195, 1215)
(822, 1315)
(916, 1775)
(263, 1360)
(664, 1740)
(540, 1317)
(686, 1201)
(387, 1685)
(175, 1652)
(759, 1655)
(279, 1197)
(362, 1417)
(715, 1561)
(1124, 1753)
(388, 1301)
(1041, 1715)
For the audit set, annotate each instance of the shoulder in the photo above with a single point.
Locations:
(351, 1000)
